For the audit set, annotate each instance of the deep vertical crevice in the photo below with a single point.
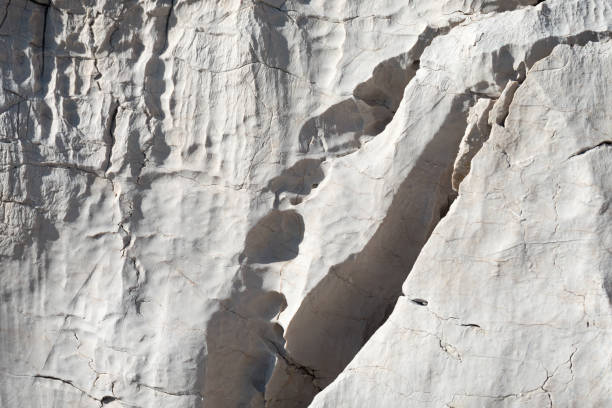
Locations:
(110, 134)
(44, 37)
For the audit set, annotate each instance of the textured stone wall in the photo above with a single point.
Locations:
(248, 203)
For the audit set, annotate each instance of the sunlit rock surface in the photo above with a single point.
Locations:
(244, 203)
(509, 301)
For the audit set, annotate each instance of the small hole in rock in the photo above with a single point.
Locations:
(421, 302)
(107, 400)
(315, 185)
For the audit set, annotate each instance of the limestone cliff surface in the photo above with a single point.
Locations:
(249, 203)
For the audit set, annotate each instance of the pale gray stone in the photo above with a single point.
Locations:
(508, 304)
(476, 133)
(216, 203)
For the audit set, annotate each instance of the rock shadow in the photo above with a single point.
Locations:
(387, 83)
(341, 127)
(242, 342)
(367, 113)
(275, 238)
(607, 285)
(299, 179)
(340, 314)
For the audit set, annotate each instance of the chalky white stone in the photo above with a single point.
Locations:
(509, 301)
(248, 203)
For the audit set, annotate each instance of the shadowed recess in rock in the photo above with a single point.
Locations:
(340, 128)
(239, 337)
(299, 179)
(276, 237)
(241, 340)
(607, 284)
(341, 313)
(385, 87)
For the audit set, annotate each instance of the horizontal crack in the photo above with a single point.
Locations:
(588, 149)
(173, 393)
(101, 401)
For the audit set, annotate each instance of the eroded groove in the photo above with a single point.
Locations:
(340, 314)
(308, 333)
(110, 133)
(476, 133)
(44, 37)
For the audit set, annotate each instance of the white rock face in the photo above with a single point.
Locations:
(237, 203)
(476, 133)
(520, 311)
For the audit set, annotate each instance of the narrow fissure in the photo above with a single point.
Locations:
(44, 38)
(588, 149)
(110, 133)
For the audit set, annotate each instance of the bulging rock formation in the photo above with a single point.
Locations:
(306, 203)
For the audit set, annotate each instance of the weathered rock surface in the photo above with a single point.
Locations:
(531, 225)
(248, 203)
